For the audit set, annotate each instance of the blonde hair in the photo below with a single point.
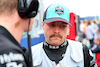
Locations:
(89, 22)
(7, 6)
(95, 21)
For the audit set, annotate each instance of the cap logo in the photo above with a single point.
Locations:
(59, 10)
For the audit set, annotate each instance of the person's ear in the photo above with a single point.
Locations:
(43, 23)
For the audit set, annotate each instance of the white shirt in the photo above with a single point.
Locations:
(72, 58)
(81, 26)
(90, 32)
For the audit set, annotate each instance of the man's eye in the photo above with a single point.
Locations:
(52, 25)
(63, 26)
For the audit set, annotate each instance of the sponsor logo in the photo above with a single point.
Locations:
(59, 10)
(10, 58)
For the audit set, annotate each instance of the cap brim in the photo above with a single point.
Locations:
(50, 20)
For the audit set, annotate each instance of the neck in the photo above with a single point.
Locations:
(12, 24)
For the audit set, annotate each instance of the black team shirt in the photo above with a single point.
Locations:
(11, 53)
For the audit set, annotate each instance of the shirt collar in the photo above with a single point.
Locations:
(6, 33)
(55, 47)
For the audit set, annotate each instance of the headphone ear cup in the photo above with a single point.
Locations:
(33, 9)
(28, 8)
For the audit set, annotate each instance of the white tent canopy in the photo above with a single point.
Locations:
(83, 8)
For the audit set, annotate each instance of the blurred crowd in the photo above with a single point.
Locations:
(90, 30)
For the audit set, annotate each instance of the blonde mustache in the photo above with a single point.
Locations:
(56, 35)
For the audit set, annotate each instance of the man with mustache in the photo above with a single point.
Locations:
(56, 50)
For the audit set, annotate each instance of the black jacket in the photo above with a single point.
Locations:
(11, 53)
(97, 49)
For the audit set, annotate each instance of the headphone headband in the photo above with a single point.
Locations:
(28, 8)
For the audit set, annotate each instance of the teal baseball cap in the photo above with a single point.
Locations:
(57, 12)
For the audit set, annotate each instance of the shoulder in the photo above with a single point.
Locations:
(8, 46)
(36, 54)
(36, 49)
(9, 53)
(75, 46)
(74, 43)
(37, 46)
(87, 50)
(75, 50)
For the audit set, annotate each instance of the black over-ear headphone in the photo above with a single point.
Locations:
(28, 8)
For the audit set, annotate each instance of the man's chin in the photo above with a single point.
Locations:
(56, 43)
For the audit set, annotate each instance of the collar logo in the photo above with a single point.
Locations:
(59, 10)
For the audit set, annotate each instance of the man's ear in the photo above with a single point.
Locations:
(43, 23)
(68, 30)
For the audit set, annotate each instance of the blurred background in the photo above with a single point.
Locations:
(83, 8)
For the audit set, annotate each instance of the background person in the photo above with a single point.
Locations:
(95, 26)
(83, 26)
(14, 20)
(56, 49)
(99, 28)
(96, 49)
(90, 34)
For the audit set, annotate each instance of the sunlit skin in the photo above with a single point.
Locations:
(14, 23)
(58, 65)
(31, 23)
(26, 21)
(55, 33)
(97, 41)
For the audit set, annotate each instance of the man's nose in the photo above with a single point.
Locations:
(57, 29)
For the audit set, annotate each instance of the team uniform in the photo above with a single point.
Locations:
(11, 53)
(70, 53)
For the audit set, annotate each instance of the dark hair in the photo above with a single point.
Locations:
(89, 22)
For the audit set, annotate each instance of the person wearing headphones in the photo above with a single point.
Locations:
(14, 20)
(56, 50)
